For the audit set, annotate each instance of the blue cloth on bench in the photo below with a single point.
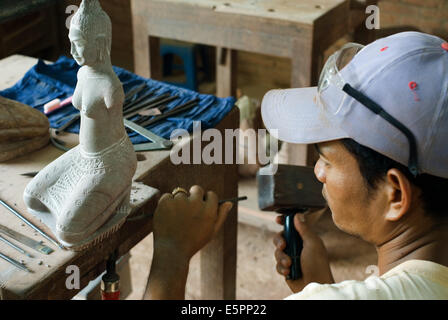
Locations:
(43, 83)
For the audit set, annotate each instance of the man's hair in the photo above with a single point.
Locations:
(374, 166)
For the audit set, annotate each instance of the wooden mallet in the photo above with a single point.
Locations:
(290, 190)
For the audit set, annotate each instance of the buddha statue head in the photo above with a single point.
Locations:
(90, 34)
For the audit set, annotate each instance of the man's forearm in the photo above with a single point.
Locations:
(167, 278)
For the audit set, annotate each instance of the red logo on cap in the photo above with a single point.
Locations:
(445, 46)
(384, 49)
(413, 86)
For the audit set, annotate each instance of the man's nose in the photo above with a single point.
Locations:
(319, 171)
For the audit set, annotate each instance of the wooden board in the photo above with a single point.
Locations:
(221, 29)
(299, 11)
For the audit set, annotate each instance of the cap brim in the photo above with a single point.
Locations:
(294, 116)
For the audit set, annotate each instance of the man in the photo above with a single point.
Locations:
(379, 120)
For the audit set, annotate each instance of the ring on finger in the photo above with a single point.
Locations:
(180, 190)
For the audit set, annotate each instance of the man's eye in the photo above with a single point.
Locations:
(323, 161)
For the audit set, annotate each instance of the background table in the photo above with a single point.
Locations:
(155, 169)
(29, 27)
(300, 30)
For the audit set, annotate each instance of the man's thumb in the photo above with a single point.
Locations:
(223, 211)
(301, 226)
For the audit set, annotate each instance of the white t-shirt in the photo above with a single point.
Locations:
(413, 279)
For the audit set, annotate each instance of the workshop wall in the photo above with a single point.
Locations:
(429, 16)
(425, 15)
(32, 34)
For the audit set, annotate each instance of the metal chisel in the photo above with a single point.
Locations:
(12, 245)
(18, 215)
(15, 263)
(33, 244)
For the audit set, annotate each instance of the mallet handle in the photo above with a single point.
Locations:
(294, 246)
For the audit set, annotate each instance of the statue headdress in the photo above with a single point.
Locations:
(93, 21)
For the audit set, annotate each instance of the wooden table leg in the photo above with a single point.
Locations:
(305, 65)
(147, 59)
(218, 258)
(155, 59)
(226, 72)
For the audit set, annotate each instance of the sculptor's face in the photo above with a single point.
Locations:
(353, 211)
(84, 52)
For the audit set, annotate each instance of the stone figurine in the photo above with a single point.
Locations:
(85, 193)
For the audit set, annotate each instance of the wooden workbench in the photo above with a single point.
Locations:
(218, 259)
(300, 30)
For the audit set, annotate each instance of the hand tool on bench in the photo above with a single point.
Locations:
(150, 113)
(152, 103)
(158, 143)
(15, 263)
(33, 244)
(12, 245)
(133, 92)
(56, 104)
(57, 143)
(290, 190)
(18, 215)
(74, 119)
(30, 174)
(233, 200)
(110, 281)
(184, 107)
(139, 100)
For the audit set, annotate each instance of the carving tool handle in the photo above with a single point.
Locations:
(233, 200)
(294, 246)
(110, 282)
(74, 119)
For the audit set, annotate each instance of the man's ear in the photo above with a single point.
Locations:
(399, 194)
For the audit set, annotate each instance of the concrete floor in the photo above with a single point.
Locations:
(350, 257)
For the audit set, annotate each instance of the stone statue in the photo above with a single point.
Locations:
(84, 194)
